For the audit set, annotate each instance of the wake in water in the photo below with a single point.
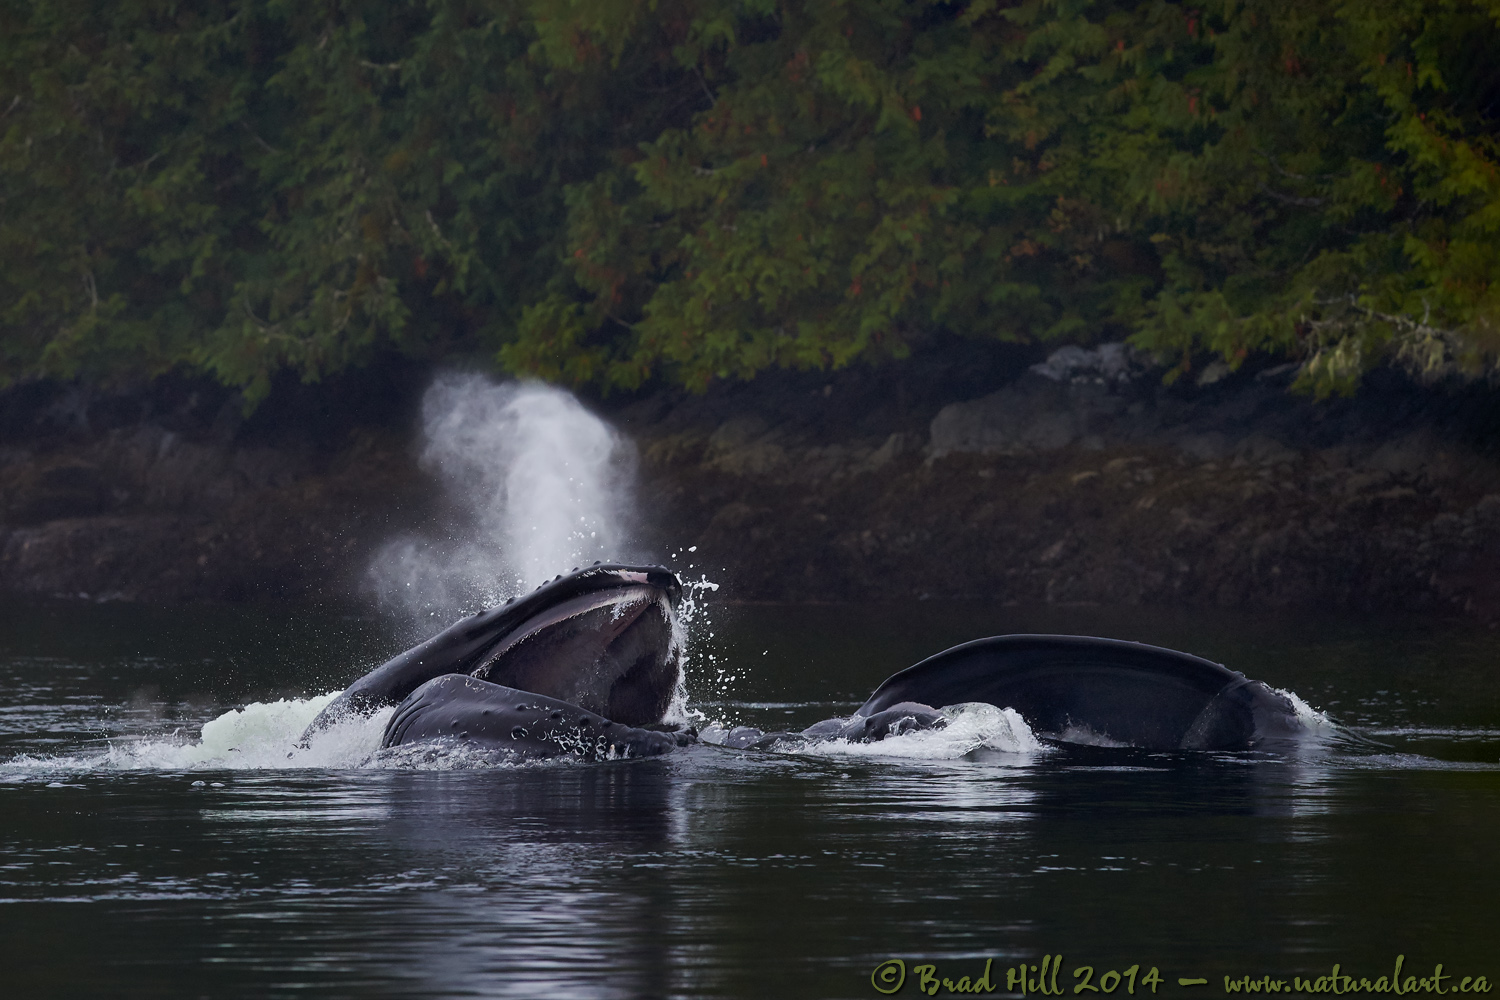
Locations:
(970, 727)
(264, 736)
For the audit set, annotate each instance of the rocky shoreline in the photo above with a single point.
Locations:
(998, 474)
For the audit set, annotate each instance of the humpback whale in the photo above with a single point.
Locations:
(587, 665)
(1071, 688)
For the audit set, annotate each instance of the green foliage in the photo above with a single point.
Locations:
(248, 187)
(604, 191)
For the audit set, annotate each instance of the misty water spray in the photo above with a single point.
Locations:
(538, 485)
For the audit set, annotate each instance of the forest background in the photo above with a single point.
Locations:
(616, 193)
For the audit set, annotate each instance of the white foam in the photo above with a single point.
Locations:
(971, 727)
(1312, 721)
(265, 735)
(259, 736)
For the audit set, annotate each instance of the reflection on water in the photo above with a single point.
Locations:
(715, 872)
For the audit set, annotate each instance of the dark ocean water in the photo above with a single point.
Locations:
(141, 857)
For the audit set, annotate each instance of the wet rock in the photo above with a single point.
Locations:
(1411, 454)
(1103, 364)
(67, 489)
(741, 447)
(1215, 371)
(1087, 482)
(737, 433)
(1034, 414)
(895, 446)
(732, 517)
(99, 505)
(1262, 449)
(1210, 447)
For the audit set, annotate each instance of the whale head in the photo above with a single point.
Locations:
(604, 638)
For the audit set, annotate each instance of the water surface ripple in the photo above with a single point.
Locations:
(716, 873)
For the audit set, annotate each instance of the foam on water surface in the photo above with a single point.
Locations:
(265, 736)
(262, 735)
(1312, 721)
(970, 727)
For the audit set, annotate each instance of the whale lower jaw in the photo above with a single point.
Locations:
(474, 713)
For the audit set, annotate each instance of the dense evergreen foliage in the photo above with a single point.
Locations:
(609, 191)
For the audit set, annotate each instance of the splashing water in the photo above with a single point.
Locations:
(1312, 721)
(260, 735)
(540, 484)
(266, 735)
(973, 726)
(691, 617)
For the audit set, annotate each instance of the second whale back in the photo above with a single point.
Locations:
(1098, 690)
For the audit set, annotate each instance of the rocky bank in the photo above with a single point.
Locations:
(968, 471)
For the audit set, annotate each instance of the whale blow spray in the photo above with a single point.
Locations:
(537, 485)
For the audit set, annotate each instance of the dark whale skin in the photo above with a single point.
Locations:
(471, 712)
(633, 679)
(1127, 692)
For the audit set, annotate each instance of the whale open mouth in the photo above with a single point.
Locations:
(609, 651)
(603, 639)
